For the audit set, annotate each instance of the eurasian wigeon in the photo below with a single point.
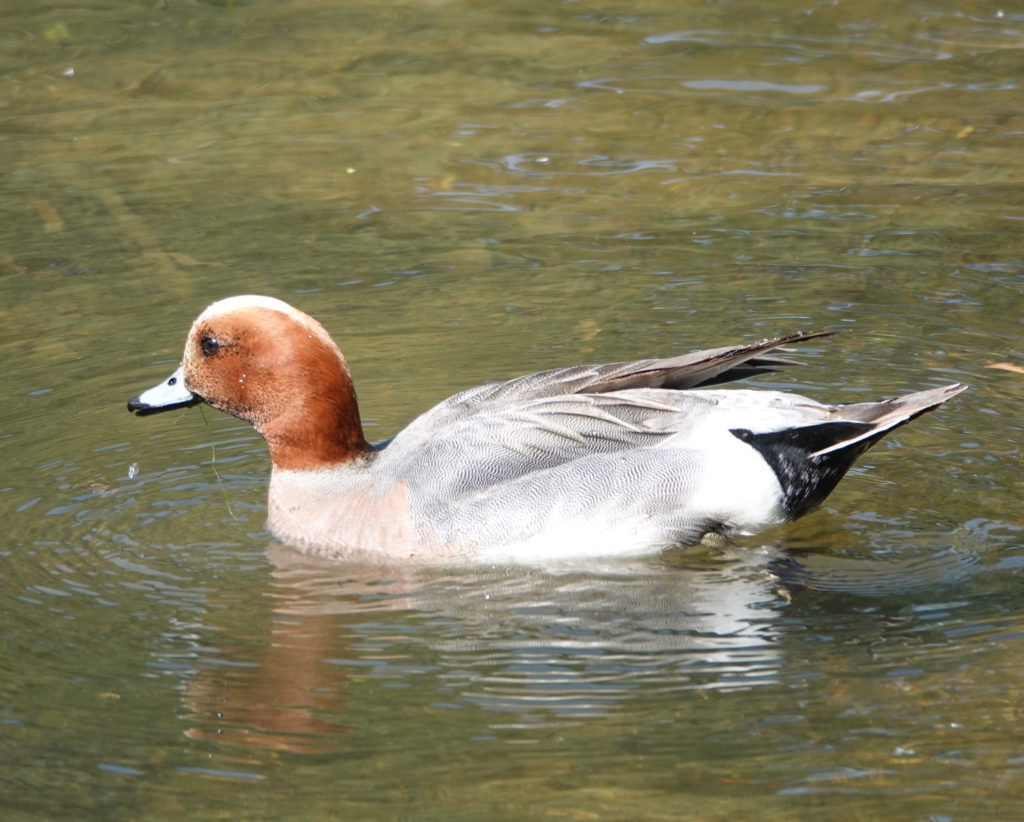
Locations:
(615, 459)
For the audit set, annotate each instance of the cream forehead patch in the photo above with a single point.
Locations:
(244, 301)
(241, 303)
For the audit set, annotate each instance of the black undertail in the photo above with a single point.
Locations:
(807, 478)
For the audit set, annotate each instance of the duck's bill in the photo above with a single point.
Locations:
(169, 394)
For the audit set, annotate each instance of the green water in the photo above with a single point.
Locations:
(463, 192)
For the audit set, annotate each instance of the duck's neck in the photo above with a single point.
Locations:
(320, 429)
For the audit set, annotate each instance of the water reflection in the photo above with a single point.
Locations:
(279, 701)
(539, 647)
(549, 645)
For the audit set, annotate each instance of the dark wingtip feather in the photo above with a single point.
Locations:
(697, 368)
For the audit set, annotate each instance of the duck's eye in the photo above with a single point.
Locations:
(209, 346)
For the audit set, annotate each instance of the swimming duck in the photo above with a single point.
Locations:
(617, 459)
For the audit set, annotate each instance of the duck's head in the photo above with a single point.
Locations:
(264, 361)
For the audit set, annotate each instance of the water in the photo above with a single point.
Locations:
(463, 192)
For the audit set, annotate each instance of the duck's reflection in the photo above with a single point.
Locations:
(567, 641)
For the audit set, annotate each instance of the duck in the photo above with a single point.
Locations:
(618, 459)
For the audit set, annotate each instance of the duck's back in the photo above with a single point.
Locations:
(626, 471)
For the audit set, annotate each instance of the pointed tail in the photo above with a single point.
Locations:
(810, 460)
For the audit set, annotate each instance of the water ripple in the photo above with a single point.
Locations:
(538, 164)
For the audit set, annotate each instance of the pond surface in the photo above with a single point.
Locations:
(463, 192)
